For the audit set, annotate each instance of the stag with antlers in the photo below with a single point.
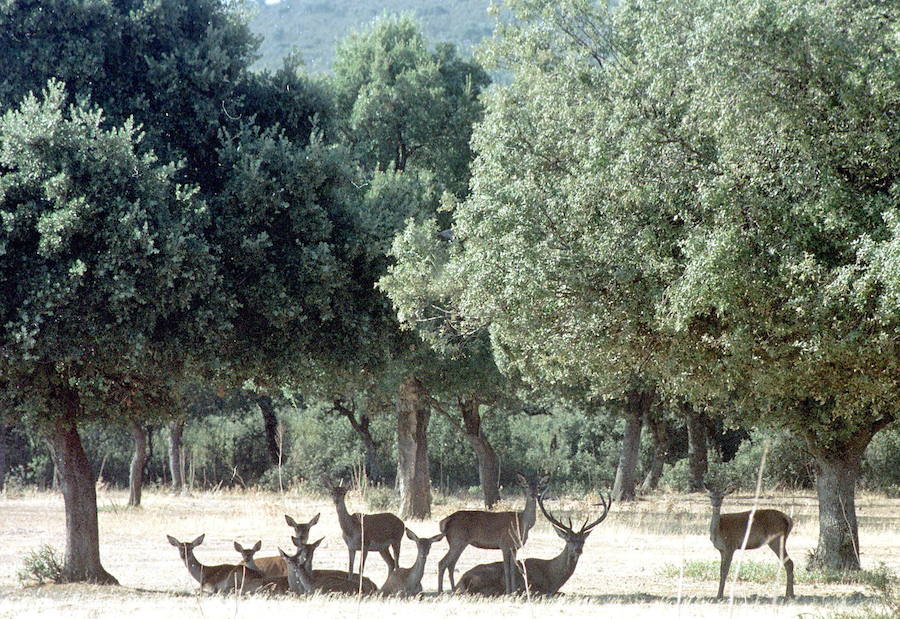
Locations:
(545, 576)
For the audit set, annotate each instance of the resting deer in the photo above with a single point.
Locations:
(504, 531)
(272, 583)
(275, 567)
(381, 531)
(302, 579)
(217, 578)
(545, 576)
(727, 532)
(405, 581)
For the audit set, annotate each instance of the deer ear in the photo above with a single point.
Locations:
(436, 538)
(283, 554)
(173, 541)
(315, 519)
(316, 543)
(257, 545)
(411, 535)
(238, 547)
(290, 521)
(199, 540)
(296, 541)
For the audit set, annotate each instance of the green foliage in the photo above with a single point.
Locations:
(311, 27)
(676, 477)
(41, 566)
(881, 579)
(405, 106)
(788, 464)
(881, 464)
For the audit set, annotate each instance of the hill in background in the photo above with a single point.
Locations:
(314, 27)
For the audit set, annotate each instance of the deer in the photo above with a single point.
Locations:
(380, 532)
(406, 581)
(302, 579)
(545, 576)
(727, 532)
(217, 578)
(275, 567)
(504, 531)
(278, 584)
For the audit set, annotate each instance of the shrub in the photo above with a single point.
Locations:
(44, 565)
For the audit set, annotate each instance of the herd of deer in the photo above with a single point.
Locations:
(505, 531)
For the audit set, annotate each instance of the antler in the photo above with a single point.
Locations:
(549, 516)
(606, 505)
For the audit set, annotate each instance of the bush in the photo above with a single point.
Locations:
(44, 565)
(881, 463)
(676, 477)
(788, 465)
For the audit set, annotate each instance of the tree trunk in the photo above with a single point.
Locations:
(413, 476)
(361, 427)
(138, 461)
(4, 451)
(697, 447)
(659, 431)
(176, 459)
(836, 476)
(488, 463)
(82, 562)
(270, 421)
(636, 405)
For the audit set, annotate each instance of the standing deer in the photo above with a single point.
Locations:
(302, 579)
(727, 532)
(217, 578)
(545, 576)
(276, 583)
(404, 581)
(365, 532)
(504, 531)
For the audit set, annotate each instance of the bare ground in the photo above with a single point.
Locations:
(622, 573)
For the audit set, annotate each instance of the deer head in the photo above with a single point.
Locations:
(575, 539)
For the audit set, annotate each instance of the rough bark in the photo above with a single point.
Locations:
(176, 432)
(138, 462)
(4, 451)
(659, 431)
(838, 547)
(636, 405)
(488, 463)
(362, 427)
(270, 421)
(82, 560)
(413, 476)
(697, 447)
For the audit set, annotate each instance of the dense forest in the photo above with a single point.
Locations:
(657, 254)
(313, 28)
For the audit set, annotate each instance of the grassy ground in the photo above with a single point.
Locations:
(649, 559)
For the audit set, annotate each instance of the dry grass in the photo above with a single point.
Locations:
(626, 570)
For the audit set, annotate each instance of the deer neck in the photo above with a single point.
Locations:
(714, 523)
(561, 567)
(418, 569)
(195, 568)
(348, 524)
(527, 516)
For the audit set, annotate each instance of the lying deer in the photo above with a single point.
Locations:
(404, 581)
(302, 579)
(217, 578)
(545, 576)
(278, 584)
(727, 532)
(380, 532)
(275, 567)
(504, 531)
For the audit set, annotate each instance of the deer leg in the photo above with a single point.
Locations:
(777, 546)
(509, 564)
(386, 555)
(448, 563)
(396, 547)
(362, 561)
(724, 566)
(352, 560)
